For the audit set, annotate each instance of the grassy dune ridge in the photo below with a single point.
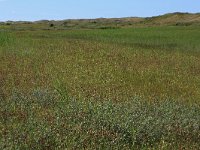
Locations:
(114, 88)
(171, 19)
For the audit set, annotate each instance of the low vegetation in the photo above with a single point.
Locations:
(106, 88)
(44, 120)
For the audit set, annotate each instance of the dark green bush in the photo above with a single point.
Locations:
(51, 25)
(109, 27)
(183, 24)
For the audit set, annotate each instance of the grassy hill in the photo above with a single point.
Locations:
(173, 19)
(184, 19)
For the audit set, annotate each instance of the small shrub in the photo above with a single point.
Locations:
(109, 27)
(51, 25)
(8, 23)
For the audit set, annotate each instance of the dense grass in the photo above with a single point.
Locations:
(155, 63)
(126, 88)
(44, 120)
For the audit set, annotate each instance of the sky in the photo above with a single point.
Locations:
(31, 10)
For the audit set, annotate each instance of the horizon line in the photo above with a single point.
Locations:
(99, 17)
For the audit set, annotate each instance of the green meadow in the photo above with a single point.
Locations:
(126, 88)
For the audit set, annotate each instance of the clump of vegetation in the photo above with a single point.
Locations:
(5, 38)
(109, 27)
(44, 120)
(183, 24)
(51, 25)
(8, 23)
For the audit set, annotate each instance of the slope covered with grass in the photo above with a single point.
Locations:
(171, 19)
